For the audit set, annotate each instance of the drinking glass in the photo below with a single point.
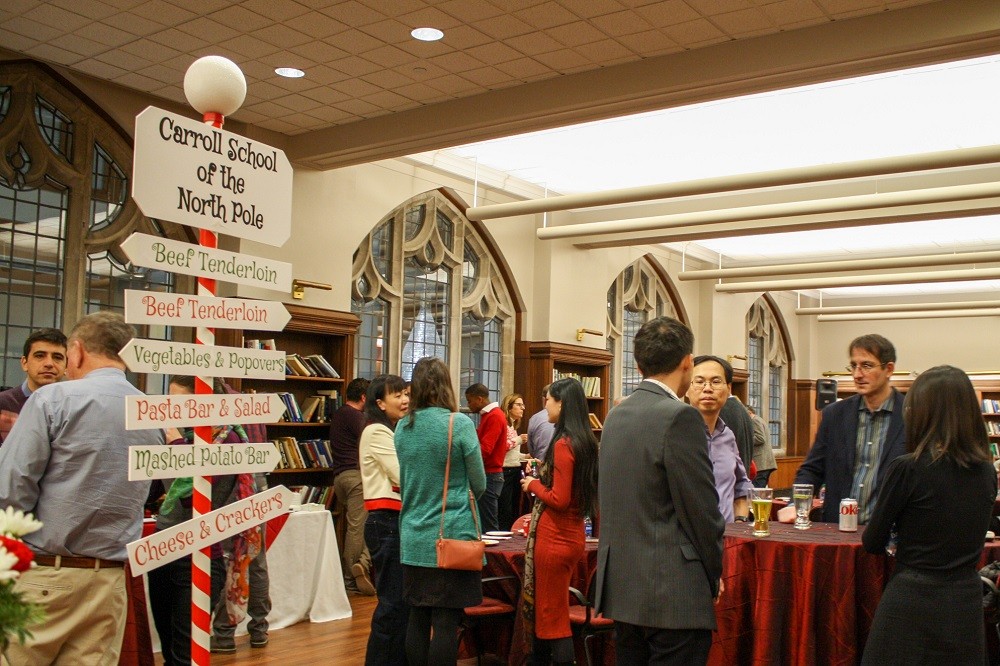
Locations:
(802, 495)
(761, 499)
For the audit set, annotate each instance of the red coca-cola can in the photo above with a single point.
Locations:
(848, 515)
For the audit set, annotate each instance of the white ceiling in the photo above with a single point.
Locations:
(359, 58)
(367, 82)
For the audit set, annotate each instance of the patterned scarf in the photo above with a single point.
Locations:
(528, 586)
(246, 546)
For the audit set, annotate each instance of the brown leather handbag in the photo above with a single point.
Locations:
(458, 553)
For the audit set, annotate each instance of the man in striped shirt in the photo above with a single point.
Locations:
(857, 437)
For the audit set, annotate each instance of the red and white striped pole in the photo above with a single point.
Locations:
(216, 87)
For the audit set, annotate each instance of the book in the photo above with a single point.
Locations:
(327, 369)
(595, 422)
(309, 408)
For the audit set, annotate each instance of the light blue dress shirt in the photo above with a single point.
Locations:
(66, 461)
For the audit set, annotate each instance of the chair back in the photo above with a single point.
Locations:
(522, 524)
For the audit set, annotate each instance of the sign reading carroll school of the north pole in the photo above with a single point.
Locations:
(185, 538)
(175, 256)
(200, 176)
(145, 412)
(157, 307)
(169, 462)
(184, 358)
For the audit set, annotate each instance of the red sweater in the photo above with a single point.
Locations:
(492, 433)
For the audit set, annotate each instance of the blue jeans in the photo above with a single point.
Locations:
(489, 502)
(387, 640)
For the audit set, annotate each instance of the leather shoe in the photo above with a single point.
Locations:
(362, 579)
(258, 641)
(222, 646)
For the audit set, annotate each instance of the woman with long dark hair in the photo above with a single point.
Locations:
(510, 497)
(565, 493)
(436, 596)
(387, 402)
(938, 499)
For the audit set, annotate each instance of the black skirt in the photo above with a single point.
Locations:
(928, 617)
(442, 588)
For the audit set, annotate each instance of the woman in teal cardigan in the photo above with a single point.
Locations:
(436, 596)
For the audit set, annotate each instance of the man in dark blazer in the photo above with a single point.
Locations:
(660, 556)
(857, 437)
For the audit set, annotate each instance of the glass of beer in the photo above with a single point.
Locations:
(802, 495)
(761, 499)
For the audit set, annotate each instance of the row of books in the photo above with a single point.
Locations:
(314, 409)
(259, 344)
(993, 428)
(991, 406)
(313, 495)
(595, 422)
(313, 365)
(303, 454)
(591, 385)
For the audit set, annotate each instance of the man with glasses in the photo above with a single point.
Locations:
(711, 386)
(857, 437)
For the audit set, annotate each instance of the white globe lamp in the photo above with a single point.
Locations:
(215, 87)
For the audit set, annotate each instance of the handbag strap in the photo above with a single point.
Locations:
(444, 494)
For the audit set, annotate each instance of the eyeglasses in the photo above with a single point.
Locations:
(518, 404)
(716, 383)
(865, 367)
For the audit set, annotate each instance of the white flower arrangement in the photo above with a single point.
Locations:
(16, 614)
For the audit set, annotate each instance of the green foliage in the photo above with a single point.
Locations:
(16, 614)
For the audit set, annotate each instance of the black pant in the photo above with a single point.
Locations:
(635, 644)
(170, 603)
(509, 504)
(432, 636)
(387, 640)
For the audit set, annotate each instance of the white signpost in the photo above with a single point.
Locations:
(202, 531)
(145, 412)
(185, 358)
(205, 177)
(174, 256)
(157, 307)
(197, 174)
(170, 462)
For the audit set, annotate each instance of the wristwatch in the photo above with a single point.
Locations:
(742, 519)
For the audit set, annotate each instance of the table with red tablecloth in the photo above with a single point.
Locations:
(796, 596)
(507, 559)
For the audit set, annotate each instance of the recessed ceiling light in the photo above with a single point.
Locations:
(426, 34)
(289, 72)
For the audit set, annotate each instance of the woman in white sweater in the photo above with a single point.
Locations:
(386, 403)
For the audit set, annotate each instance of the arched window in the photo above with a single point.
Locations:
(640, 292)
(425, 284)
(64, 210)
(768, 359)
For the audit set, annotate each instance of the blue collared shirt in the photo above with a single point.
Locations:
(66, 461)
(730, 476)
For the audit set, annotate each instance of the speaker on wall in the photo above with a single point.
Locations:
(826, 392)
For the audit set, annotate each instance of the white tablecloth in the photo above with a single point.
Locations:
(306, 577)
(307, 581)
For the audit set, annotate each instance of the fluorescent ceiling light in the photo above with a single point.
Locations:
(427, 34)
(289, 72)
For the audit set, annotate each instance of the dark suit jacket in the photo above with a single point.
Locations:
(831, 458)
(736, 416)
(660, 555)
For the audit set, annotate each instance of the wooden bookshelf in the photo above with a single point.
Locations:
(539, 363)
(310, 331)
(989, 403)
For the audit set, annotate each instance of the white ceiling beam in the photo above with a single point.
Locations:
(898, 307)
(945, 314)
(921, 277)
(843, 265)
(946, 159)
(660, 224)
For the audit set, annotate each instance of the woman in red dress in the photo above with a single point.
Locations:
(565, 493)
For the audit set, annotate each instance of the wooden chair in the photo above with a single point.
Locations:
(522, 523)
(491, 608)
(582, 619)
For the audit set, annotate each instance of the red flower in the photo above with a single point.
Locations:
(17, 548)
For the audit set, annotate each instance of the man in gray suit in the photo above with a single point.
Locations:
(660, 557)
